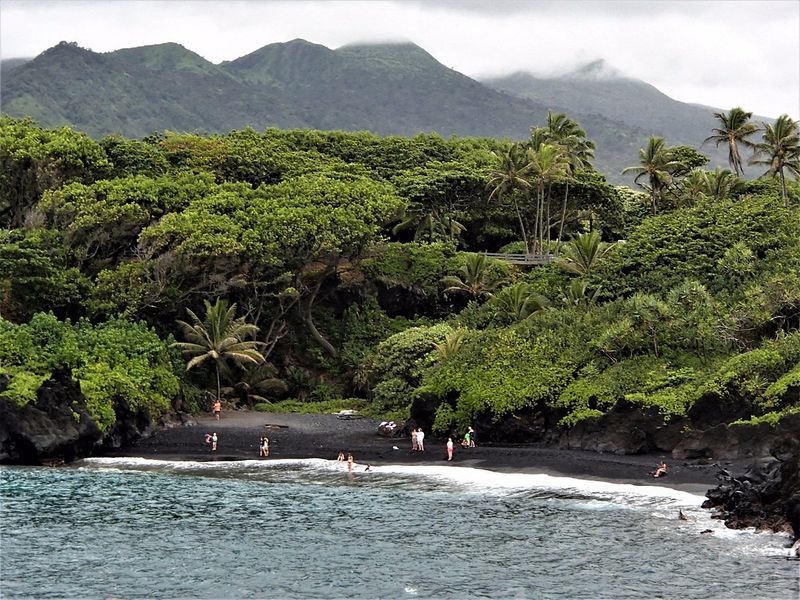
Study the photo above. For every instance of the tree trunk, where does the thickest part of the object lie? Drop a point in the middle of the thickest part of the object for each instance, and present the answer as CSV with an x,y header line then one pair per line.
x,y
219,388
784,193
522,226
563,216
309,321
317,335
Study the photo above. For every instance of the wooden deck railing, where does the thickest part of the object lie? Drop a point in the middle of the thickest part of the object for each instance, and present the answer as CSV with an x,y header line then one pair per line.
x,y
522,259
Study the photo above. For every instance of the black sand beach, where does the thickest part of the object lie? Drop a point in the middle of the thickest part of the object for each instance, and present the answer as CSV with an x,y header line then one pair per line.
x,y
323,436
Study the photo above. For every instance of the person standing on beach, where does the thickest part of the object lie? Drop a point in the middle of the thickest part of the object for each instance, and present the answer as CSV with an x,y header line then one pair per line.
x,y
217,409
420,440
263,446
414,442
450,448
471,434
214,442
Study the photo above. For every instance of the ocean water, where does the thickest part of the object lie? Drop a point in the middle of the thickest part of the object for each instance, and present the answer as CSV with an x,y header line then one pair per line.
x,y
136,528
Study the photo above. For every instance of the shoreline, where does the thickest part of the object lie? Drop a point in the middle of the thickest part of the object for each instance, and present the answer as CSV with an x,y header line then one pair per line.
x,y
302,436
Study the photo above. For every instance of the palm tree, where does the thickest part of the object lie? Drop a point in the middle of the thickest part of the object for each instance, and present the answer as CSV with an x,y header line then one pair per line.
x,y
578,294
518,301
475,278
547,164
655,163
256,382
735,128
721,184
578,151
220,338
583,252
779,150
428,223
511,175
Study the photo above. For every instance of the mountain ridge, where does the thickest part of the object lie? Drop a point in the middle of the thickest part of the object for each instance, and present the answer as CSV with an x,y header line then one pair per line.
x,y
395,88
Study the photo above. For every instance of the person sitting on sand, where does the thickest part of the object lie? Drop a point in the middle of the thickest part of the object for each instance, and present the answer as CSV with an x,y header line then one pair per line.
x,y
661,470
217,409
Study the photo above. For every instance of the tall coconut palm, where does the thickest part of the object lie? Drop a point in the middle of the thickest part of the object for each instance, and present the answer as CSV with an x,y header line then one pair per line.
x,y
779,150
578,151
735,128
655,163
547,164
219,337
509,176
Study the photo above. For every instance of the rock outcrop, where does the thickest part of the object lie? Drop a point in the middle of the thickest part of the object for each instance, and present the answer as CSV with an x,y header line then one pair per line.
x,y
57,426
768,495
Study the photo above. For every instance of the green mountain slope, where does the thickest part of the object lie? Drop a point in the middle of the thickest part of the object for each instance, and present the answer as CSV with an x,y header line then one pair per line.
x,y
597,88
386,88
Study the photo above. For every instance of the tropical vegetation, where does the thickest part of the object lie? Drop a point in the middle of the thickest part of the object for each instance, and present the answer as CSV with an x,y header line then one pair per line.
x,y
302,269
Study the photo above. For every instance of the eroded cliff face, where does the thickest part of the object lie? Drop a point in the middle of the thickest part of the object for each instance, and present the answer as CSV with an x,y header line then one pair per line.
x,y
57,426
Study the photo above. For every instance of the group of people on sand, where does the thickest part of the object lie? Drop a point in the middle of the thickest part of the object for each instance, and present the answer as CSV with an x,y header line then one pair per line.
x,y
417,439
468,441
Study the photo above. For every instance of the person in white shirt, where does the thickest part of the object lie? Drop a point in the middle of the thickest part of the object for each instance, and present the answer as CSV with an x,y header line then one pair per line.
x,y
421,440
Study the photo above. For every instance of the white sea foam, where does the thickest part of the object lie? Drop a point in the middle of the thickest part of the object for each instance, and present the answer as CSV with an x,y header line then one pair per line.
x,y
469,477
661,503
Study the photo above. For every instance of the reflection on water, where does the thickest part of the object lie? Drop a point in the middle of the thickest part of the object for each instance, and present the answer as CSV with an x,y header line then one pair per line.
x,y
299,529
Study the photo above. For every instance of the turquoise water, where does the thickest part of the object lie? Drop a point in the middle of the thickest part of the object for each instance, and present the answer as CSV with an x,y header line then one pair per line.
x,y
131,528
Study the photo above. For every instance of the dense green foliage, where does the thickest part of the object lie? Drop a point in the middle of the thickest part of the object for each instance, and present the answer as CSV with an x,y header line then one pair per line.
x,y
350,278
113,362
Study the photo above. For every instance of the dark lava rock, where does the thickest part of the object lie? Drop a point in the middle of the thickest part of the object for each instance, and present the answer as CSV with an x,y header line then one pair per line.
x,y
626,429
768,495
55,427
726,442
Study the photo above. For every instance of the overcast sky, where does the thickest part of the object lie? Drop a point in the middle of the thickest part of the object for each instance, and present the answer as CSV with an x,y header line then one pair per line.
x,y
719,53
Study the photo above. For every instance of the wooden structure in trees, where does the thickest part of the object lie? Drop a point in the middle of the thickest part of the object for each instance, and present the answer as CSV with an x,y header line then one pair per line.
x,y
522,259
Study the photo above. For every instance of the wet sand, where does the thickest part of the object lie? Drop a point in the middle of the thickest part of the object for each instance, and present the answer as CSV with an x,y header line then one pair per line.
x,y
323,436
